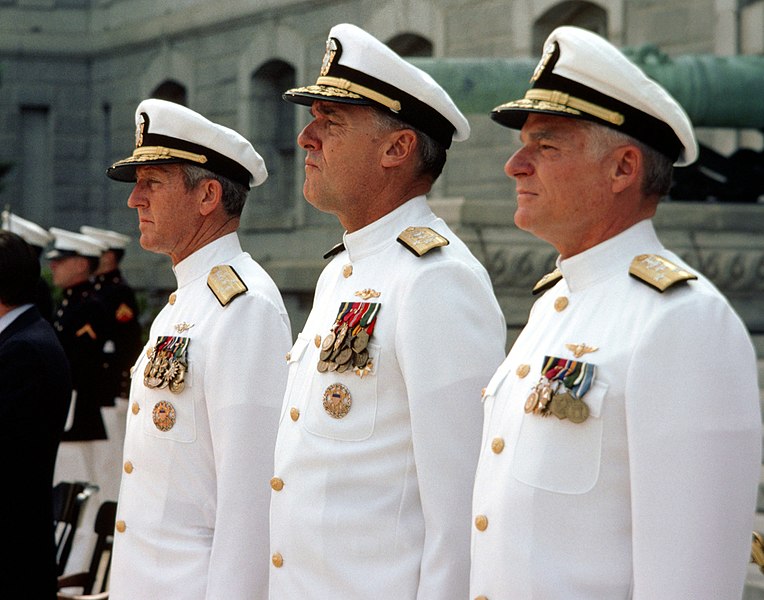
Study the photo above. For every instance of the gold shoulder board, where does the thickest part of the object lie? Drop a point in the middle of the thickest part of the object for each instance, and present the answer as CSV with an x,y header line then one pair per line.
x,y
547,281
334,250
658,272
420,240
225,283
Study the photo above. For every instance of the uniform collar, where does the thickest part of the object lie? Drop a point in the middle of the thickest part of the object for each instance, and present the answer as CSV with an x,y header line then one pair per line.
x,y
200,262
383,232
611,257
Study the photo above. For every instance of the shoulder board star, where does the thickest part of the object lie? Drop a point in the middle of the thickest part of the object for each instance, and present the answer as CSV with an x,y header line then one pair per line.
x,y
334,250
420,240
658,272
547,281
225,283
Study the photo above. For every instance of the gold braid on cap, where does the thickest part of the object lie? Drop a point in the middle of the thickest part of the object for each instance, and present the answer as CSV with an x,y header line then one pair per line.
x,y
345,84
160,151
567,100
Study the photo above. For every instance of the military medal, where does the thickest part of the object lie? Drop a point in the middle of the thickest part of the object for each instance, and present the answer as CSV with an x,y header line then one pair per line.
x,y
337,400
163,415
560,390
168,363
345,347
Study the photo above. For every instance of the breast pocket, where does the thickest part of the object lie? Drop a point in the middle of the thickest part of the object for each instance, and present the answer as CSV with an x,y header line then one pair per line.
x,y
558,455
343,406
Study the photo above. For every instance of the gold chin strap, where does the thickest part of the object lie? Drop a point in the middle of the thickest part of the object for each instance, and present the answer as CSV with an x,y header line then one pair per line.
x,y
156,152
564,99
345,84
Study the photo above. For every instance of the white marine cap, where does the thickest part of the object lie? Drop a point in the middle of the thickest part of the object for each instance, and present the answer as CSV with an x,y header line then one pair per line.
x,y
69,243
167,132
583,76
111,239
31,233
359,69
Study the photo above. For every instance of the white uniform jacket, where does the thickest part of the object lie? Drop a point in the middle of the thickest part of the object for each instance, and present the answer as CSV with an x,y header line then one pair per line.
x,y
653,496
376,504
192,518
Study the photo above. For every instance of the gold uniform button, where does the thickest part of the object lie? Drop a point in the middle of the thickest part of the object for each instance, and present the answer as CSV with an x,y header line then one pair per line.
x,y
481,597
561,304
277,484
128,467
120,526
317,341
136,408
481,522
347,271
288,356
523,370
482,393
277,560
497,445
172,298
294,412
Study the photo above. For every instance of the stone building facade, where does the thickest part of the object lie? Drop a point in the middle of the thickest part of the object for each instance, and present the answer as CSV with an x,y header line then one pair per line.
x,y
73,71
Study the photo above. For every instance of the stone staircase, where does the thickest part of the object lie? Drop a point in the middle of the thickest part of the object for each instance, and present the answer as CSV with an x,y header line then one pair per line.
x,y
754,582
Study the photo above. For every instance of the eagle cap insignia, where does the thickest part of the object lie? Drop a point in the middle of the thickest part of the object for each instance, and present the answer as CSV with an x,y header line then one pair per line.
x,y
140,129
420,240
331,52
225,283
658,272
546,57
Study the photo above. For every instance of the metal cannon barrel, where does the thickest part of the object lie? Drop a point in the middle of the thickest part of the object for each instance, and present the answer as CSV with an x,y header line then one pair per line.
x,y
716,91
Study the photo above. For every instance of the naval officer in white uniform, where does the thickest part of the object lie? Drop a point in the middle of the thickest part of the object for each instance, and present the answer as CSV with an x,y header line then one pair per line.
x,y
621,445
380,426
192,519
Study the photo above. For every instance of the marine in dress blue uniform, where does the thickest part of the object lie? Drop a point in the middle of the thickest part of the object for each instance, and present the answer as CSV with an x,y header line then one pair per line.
x,y
622,438
380,424
192,519
82,325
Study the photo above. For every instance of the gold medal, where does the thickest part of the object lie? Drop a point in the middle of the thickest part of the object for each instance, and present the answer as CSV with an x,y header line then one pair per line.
x,y
337,400
545,396
322,366
578,411
361,358
360,341
533,401
344,356
328,341
559,404
163,415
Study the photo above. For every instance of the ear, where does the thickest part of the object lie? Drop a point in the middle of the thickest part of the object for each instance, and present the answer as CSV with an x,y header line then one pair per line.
x,y
211,196
626,169
400,145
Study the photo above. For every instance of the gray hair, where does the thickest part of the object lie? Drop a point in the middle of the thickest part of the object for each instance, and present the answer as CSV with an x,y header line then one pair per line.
x,y
234,194
432,155
658,168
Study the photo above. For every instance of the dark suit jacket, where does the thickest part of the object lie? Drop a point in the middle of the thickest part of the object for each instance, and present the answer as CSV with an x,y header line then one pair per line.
x,y
35,390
